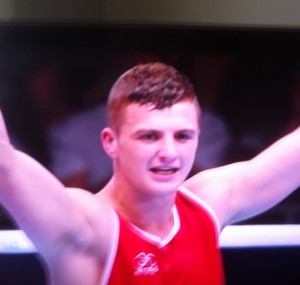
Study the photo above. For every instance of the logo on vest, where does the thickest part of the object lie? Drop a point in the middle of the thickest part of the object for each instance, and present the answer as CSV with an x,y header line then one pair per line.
x,y
145,264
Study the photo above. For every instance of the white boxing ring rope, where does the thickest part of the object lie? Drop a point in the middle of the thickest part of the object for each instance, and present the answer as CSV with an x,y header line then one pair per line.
x,y
236,236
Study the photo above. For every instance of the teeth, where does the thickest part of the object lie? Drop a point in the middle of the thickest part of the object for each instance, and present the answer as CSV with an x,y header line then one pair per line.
x,y
169,170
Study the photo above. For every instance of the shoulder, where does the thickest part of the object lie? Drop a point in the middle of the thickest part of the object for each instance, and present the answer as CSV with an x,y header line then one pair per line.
x,y
100,217
198,205
215,187
222,177
94,207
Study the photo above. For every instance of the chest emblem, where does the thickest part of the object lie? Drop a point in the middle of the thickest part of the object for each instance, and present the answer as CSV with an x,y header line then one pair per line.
x,y
145,264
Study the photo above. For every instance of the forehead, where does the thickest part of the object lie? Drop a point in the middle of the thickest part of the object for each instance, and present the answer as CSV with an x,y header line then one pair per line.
x,y
180,115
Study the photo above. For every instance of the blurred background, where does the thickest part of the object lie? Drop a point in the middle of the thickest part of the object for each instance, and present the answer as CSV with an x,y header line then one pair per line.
x,y
58,60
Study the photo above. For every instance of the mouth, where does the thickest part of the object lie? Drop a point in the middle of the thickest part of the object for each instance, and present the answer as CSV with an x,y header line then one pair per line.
x,y
164,170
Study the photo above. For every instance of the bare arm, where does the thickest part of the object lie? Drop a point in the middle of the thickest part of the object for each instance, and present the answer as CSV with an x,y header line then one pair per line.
x,y
39,203
242,190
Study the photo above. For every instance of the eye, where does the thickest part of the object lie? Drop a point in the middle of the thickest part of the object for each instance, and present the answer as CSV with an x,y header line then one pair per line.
x,y
149,136
184,136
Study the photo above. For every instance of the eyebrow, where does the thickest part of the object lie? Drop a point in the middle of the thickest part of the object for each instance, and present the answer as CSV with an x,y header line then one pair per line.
x,y
140,131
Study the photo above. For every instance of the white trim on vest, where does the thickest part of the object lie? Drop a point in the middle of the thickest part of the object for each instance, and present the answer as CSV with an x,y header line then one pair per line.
x,y
106,273
204,204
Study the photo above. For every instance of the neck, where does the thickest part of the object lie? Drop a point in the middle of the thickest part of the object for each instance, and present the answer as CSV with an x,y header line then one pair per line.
x,y
149,212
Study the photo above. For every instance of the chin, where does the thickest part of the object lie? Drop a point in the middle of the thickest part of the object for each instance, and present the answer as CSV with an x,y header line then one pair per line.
x,y
164,187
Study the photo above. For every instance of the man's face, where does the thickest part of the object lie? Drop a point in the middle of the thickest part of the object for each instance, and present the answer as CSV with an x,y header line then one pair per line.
x,y
156,148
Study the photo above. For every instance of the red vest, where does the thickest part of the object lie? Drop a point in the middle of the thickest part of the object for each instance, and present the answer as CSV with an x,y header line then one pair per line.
x,y
189,257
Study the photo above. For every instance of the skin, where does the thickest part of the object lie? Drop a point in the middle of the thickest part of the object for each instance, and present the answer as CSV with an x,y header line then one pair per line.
x,y
152,154
162,143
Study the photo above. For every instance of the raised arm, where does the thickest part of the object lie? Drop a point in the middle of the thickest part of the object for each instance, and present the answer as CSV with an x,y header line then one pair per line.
x,y
37,201
242,190
71,228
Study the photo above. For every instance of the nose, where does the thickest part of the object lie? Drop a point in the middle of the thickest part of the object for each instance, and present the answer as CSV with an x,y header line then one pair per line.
x,y
168,149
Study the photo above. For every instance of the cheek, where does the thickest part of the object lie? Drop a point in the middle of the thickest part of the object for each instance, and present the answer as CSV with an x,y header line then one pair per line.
x,y
139,157
133,163
131,153
189,152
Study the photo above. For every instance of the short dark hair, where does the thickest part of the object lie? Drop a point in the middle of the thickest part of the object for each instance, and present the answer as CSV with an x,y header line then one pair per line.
x,y
156,84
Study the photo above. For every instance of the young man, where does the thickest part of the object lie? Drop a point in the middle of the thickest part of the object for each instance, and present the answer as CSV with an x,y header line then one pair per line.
x,y
148,225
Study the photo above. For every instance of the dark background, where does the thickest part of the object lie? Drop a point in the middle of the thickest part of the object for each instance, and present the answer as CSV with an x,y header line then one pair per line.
x,y
254,96
243,266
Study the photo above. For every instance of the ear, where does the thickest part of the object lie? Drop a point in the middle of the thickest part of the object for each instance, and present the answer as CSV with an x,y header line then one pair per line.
x,y
109,141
